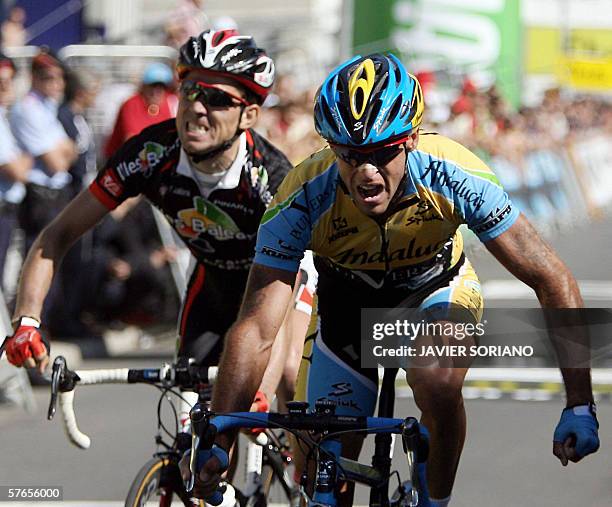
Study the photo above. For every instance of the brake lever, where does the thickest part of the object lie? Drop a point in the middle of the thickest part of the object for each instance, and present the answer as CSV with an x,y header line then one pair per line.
x,y
198,419
62,380
59,366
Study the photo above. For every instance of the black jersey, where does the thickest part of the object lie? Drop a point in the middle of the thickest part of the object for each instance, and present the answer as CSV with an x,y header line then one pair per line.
x,y
218,226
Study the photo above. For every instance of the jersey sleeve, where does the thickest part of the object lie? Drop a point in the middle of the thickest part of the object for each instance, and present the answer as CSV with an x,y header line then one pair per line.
x,y
477,196
285,229
124,174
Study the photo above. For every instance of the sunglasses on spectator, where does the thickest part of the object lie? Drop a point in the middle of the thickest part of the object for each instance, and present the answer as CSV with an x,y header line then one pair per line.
x,y
210,95
377,156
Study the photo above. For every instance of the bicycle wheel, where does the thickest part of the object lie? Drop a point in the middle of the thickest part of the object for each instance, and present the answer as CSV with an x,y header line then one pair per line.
x,y
156,484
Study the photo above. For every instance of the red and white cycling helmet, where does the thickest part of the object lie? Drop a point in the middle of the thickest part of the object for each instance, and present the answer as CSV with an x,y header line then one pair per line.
x,y
233,55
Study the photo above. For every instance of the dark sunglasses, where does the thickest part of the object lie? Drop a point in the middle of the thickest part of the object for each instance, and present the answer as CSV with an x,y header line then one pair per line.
x,y
210,95
379,156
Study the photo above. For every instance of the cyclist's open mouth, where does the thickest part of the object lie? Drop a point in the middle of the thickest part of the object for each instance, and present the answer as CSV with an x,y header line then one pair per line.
x,y
371,192
193,129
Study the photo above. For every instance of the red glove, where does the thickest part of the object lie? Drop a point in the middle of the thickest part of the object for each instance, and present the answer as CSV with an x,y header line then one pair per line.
x,y
27,342
260,404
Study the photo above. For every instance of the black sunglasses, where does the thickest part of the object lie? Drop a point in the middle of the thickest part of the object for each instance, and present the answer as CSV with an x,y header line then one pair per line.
x,y
209,95
377,156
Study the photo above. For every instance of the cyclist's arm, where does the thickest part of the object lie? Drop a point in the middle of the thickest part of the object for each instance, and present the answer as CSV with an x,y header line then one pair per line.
x,y
521,250
281,349
249,341
18,168
61,157
47,251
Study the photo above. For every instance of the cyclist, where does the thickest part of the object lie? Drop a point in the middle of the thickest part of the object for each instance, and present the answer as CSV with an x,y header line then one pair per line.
x,y
210,174
380,209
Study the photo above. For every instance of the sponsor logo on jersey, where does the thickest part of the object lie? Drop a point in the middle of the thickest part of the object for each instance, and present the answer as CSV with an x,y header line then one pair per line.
x,y
410,251
425,212
339,223
452,179
259,176
148,158
341,389
207,218
287,246
111,185
245,208
181,191
301,225
272,252
494,218
318,200
229,264
352,404
341,228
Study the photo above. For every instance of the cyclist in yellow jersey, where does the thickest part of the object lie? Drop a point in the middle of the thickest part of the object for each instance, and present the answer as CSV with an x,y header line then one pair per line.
x,y
380,209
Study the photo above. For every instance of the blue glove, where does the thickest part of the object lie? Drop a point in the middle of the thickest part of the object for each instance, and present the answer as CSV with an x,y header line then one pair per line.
x,y
203,456
580,424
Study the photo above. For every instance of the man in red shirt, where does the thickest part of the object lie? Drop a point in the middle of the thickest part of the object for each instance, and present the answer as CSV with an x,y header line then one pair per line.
x,y
154,102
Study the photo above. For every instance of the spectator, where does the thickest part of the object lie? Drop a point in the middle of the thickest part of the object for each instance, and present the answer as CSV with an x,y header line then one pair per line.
x,y
186,20
82,87
13,29
153,103
14,164
36,127
129,279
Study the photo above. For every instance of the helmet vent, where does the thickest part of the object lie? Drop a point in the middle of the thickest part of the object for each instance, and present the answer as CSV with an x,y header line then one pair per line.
x,y
391,114
359,97
370,117
329,119
396,70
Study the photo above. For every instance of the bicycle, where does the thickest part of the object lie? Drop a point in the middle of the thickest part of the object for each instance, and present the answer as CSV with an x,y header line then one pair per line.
x,y
159,479
331,467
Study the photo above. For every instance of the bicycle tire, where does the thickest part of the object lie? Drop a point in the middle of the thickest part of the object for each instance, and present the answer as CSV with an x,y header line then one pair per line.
x,y
156,484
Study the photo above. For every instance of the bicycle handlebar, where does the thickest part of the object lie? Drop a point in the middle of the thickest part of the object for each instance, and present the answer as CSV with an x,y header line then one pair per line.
x,y
205,426
64,381
305,422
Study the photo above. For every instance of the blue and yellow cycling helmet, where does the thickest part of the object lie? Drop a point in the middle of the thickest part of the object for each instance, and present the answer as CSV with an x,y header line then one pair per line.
x,y
368,100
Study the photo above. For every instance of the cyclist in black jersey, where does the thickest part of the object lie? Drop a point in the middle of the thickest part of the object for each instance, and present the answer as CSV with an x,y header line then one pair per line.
x,y
208,172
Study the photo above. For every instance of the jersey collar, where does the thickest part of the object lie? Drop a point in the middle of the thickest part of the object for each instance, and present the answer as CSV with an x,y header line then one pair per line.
x,y
231,179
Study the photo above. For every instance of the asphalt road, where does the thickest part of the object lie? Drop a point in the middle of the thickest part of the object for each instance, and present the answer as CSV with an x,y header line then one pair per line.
x,y
507,459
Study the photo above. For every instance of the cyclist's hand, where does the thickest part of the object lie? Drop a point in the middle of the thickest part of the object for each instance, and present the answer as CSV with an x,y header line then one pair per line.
x,y
576,434
260,404
210,475
28,347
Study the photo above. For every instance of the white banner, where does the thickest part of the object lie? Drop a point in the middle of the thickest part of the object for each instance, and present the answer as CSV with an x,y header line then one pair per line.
x,y
592,161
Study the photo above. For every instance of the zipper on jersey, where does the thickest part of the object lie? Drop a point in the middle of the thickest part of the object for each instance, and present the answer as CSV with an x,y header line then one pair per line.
x,y
384,246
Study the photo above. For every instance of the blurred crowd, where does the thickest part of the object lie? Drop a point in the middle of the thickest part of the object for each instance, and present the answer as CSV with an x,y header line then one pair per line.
x,y
482,120
120,273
